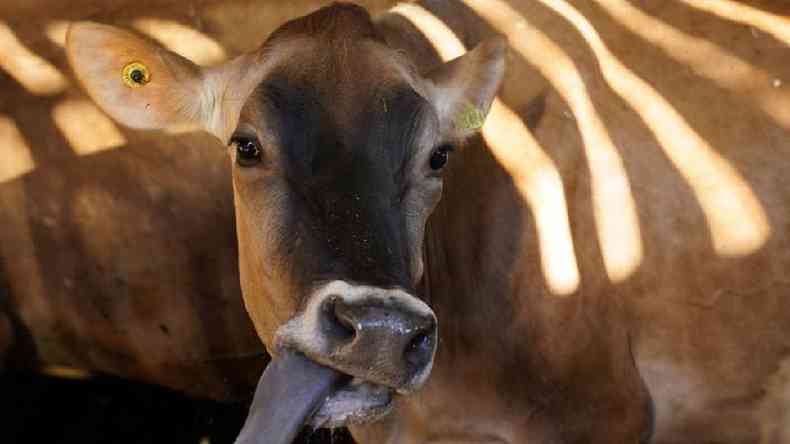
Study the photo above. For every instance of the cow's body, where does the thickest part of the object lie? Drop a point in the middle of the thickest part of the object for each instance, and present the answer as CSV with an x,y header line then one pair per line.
x,y
696,317
81,299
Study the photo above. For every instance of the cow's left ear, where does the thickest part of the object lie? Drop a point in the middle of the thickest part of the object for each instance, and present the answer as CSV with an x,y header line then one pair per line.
x,y
464,88
143,85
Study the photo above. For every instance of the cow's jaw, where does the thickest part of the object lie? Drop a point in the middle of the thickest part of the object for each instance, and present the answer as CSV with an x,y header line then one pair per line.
x,y
357,402
295,391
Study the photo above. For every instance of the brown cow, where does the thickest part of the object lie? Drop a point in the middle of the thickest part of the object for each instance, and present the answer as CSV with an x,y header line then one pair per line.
x,y
338,166
662,283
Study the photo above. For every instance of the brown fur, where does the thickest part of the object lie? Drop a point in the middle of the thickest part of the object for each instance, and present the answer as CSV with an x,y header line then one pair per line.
x,y
706,333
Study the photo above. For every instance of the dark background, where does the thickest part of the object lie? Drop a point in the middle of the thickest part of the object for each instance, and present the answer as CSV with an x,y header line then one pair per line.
x,y
108,410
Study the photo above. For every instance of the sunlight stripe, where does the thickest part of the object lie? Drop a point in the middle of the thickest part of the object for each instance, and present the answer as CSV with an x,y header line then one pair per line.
x,y
737,222
16,158
773,24
35,74
183,40
705,58
614,208
87,128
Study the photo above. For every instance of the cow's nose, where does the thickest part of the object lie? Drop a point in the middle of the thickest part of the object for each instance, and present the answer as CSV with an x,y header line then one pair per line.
x,y
382,336
397,339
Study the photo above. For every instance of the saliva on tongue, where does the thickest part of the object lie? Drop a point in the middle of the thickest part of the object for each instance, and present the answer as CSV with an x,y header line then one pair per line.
x,y
290,391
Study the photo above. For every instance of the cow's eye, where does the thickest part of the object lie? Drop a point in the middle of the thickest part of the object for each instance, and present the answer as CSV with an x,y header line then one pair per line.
x,y
440,155
248,151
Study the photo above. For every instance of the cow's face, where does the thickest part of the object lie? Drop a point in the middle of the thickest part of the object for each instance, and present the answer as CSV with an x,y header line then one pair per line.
x,y
337,163
338,148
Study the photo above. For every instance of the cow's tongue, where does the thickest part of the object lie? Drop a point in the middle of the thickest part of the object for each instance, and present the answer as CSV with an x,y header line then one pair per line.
x,y
290,390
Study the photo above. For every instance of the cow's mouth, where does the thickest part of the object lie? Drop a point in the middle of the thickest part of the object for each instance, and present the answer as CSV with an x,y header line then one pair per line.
x,y
354,402
295,391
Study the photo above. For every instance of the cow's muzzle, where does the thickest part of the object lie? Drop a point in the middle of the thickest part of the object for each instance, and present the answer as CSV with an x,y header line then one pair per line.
x,y
385,337
341,361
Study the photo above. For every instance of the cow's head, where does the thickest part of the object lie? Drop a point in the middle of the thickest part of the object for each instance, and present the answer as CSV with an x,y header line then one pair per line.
x,y
338,146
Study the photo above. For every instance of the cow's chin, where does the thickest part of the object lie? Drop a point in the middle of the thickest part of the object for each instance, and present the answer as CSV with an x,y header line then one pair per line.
x,y
295,390
354,403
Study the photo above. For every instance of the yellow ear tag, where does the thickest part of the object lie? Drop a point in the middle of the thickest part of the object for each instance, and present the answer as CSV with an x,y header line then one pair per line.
x,y
470,118
135,75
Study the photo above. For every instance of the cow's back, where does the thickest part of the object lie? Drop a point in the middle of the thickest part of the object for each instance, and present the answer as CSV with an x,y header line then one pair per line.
x,y
125,262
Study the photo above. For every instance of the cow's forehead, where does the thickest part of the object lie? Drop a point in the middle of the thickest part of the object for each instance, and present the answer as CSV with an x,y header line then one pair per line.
x,y
325,123
338,22
338,51
346,81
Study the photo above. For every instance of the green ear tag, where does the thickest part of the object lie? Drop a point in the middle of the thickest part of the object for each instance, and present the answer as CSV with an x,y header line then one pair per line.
x,y
470,118
135,75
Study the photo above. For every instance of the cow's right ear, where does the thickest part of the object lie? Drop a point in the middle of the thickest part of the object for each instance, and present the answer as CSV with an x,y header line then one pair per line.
x,y
138,82
465,87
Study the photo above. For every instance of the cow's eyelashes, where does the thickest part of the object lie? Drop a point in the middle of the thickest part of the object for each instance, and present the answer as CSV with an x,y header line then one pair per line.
x,y
440,155
248,151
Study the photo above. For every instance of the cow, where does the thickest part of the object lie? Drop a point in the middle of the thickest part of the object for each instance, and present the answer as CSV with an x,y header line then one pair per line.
x,y
595,272
337,167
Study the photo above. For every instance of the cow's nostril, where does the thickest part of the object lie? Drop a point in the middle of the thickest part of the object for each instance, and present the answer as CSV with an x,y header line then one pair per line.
x,y
419,350
339,324
368,336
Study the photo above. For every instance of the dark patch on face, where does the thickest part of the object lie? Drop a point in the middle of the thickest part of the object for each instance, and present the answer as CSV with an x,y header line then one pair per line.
x,y
346,156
